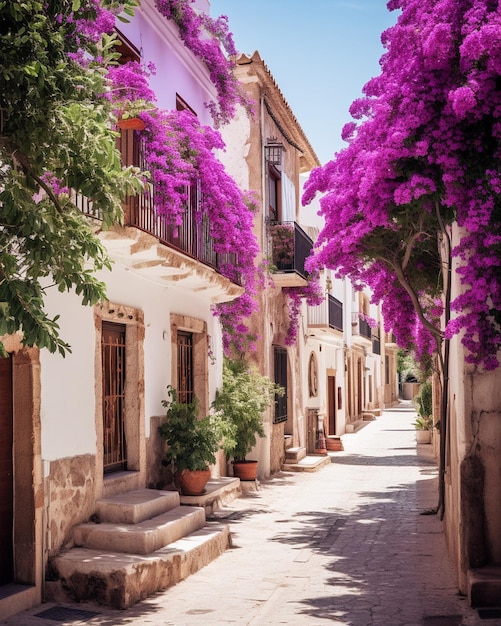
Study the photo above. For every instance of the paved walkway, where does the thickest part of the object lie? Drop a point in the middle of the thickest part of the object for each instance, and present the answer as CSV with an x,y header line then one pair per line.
x,y
345,545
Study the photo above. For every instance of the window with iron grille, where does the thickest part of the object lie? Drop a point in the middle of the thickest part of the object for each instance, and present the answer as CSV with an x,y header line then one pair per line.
x,y
185,390
280,366
113,373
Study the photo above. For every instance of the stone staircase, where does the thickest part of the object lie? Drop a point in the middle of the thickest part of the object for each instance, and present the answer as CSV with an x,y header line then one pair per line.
x,y
297,460
484,587
140,542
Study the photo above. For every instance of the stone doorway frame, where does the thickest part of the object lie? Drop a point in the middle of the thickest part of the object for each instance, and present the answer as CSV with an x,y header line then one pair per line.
x,y
29,544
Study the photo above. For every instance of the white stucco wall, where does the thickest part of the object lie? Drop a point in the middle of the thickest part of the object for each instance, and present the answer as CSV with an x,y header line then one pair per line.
x,y
68,398
177,69
68,393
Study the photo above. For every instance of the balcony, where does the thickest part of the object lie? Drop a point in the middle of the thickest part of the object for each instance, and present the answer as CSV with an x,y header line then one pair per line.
x,y
182,254
290,246
360,330
191,237
328,315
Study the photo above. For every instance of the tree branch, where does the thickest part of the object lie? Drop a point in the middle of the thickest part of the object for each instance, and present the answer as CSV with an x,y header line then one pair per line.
x,y
20,160
399,272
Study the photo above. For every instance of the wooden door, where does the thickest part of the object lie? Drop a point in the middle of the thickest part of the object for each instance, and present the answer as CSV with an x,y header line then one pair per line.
x,y
6,473
331,403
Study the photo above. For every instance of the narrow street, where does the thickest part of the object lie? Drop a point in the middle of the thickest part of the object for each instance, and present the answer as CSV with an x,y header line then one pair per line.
x,y
345,545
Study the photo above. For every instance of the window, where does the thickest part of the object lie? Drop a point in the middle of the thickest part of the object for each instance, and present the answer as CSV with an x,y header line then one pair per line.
x,y
274,213
182,105
387,369
273,157
127,50
280,364
190,363
313,376
185,390
128,143
113,373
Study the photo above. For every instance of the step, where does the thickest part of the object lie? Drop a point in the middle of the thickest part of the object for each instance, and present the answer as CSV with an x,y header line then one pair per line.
x,y
136,506
294,455
144,537
120,580
484,586
310,463
218,493
334,443
353,427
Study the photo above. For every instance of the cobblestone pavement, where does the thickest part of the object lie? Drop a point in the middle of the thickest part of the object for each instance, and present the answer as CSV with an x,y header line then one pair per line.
x,y
344,545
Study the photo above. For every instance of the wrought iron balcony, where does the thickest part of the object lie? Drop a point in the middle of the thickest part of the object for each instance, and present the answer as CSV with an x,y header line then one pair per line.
x,y
360,326
365,329
192,237
328,314
290,246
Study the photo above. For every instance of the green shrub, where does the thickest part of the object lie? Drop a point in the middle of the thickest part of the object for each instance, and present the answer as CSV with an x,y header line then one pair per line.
x,y
423,401
192,442
241,402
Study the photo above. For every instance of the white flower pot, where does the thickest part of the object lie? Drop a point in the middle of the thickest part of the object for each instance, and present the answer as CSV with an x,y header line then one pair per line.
x,y
423,436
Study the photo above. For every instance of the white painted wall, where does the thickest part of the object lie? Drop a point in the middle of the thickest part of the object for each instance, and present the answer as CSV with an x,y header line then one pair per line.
x,y
68,397
177,69
68,394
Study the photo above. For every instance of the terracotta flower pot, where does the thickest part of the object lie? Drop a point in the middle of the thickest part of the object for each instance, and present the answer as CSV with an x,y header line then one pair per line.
x,y
131,123
334,443
245,470
192,482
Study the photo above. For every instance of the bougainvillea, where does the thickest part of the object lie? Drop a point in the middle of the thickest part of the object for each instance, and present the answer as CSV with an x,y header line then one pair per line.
x,y
314,296
209,39
179,152
61,95
55,135
424,154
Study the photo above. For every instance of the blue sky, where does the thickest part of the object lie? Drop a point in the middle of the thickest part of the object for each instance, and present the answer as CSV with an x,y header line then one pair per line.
x,y
320,52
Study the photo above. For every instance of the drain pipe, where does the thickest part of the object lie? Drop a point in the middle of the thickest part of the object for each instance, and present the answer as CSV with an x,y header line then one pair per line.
x,y
444,405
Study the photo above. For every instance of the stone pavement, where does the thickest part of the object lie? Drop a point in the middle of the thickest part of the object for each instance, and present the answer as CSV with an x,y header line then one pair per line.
x,y
345,545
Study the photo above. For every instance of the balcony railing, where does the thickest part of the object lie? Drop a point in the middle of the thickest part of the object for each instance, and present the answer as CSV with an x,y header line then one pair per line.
x,y
290,247
192,236
335,313
365,329
360,326
328,313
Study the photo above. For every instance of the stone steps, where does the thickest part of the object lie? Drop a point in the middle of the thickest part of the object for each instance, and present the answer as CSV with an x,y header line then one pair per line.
x,y
136,506
310,463
484,586
141,542
143,537
334,443
218,493
120,580
295,455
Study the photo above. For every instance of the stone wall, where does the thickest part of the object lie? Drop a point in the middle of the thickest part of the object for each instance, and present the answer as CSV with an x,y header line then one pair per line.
x,y
70,498
158,476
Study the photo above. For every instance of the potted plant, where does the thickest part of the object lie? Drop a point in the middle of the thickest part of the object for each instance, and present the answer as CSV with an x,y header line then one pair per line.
x,y
423,402
282,236
192,442
129,115
241,402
